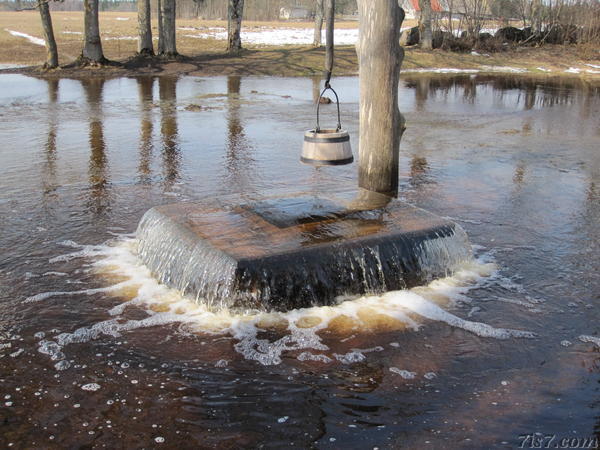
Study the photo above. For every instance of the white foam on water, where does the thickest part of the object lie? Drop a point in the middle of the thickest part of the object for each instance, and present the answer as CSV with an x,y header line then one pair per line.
x,y
86,251
591,339
90,387
32,39
407,375
308,356
46,295
529,305
297,331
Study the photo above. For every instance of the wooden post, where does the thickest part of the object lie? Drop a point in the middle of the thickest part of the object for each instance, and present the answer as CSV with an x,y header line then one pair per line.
x,y
381,124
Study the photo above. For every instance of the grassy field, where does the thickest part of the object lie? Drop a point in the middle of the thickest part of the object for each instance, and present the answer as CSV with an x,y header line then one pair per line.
x,y
208,57
68,27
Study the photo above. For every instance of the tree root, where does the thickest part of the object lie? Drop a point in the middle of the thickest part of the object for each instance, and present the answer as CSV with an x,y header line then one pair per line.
x,y
84,61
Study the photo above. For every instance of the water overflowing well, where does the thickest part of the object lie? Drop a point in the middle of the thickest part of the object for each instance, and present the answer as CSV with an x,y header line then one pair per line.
x,y
96,352
296,251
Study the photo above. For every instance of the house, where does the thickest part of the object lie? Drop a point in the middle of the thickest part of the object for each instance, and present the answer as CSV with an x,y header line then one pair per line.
x,y
413,10
294,13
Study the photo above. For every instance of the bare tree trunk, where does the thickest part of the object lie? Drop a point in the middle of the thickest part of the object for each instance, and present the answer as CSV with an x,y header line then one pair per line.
x,y
51,49
318,23
92,47
161,33
381,124
426,33
145,46
168,47
235,11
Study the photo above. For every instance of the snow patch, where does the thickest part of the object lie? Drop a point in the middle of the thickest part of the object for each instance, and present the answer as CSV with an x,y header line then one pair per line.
x,y
11,66
505,69
121,38
440,70
32,39
275,36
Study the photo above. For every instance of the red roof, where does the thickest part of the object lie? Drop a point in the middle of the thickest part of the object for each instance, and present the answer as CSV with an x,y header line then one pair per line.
x,y
435,5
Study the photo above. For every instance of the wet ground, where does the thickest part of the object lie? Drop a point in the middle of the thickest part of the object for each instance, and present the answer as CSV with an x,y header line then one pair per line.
x,y
95,353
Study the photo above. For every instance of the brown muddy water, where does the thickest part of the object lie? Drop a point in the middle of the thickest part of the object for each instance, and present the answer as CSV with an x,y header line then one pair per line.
x,y
95,353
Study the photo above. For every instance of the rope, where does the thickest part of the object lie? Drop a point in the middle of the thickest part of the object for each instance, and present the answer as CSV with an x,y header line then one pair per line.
x,y
329,56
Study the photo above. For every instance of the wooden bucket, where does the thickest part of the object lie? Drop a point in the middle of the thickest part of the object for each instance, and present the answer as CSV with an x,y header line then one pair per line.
x,y
326,147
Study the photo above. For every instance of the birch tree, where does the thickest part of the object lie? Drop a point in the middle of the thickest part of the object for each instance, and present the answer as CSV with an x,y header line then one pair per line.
x,y
235,12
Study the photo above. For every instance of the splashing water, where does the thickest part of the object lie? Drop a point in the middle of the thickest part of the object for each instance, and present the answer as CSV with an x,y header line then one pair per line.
x,y
297,331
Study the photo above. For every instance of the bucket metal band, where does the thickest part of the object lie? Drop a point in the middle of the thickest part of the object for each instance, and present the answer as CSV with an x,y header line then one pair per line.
x,y
329,140
327,162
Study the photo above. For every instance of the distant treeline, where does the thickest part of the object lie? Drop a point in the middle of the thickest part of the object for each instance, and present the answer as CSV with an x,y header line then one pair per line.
x,y
187,9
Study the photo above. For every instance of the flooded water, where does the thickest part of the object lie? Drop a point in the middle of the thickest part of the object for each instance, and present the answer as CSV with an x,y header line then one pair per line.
x,y
95,352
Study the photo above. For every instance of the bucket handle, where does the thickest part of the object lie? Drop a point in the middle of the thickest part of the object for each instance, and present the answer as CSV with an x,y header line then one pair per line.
x,y
337,100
